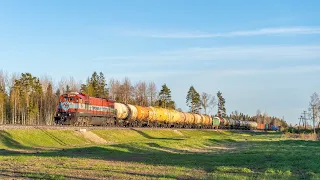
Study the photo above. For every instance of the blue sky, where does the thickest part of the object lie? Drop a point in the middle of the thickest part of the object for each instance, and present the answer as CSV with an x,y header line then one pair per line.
x,y
261,54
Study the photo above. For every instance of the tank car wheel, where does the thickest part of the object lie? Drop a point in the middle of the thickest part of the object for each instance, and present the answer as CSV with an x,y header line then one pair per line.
x,y
113,122
134,124
139,124
152,124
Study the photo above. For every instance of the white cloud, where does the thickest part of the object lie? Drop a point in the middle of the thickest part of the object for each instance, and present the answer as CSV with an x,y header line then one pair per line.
x,y
235,53
219,73
279,70
255,32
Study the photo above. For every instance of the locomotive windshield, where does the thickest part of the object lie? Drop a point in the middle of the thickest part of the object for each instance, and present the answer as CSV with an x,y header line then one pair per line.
x,y
66,98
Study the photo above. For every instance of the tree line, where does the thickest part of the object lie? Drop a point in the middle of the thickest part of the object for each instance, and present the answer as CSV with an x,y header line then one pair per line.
x,y
29,100
310,118
26,99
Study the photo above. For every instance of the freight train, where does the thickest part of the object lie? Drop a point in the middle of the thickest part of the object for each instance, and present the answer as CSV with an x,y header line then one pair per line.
x,y
79,109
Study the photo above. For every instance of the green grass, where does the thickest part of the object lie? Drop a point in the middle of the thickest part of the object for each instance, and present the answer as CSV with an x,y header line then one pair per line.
x,y
158,154
28,139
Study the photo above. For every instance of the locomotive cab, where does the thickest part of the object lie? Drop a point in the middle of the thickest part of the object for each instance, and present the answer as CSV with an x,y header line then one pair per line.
x,y
68,105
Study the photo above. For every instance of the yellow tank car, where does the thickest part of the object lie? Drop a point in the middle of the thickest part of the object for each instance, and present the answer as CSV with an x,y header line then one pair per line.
x,y
207,120
152,114
182,118
189,118
175,117
170,115
202,119
166,115
197,119
142,113
162,114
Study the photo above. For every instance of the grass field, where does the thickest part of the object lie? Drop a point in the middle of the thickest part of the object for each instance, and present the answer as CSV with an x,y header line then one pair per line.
x,y
156,154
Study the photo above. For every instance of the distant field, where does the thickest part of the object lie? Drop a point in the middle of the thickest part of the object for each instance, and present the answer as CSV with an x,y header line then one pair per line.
x,y
155,154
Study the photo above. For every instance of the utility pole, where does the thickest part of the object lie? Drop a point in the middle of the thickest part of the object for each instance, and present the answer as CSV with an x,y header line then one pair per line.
x,y
305,119
300,122
314,116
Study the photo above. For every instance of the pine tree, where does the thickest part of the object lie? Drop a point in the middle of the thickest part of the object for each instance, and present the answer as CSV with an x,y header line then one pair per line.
x,y
29,92
58,93
193,100
102,90
94,83
221,103
68,89
95,86
165,98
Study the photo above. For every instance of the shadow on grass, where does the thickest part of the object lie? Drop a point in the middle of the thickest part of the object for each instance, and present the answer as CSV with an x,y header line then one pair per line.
x,y
7,140
150,137
36,175
53,137
297,157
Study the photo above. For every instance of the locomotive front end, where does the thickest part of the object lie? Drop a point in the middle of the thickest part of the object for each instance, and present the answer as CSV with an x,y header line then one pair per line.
x,y
62,114
65,111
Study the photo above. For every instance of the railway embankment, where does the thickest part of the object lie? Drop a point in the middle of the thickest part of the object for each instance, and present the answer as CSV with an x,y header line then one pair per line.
x,y
115,153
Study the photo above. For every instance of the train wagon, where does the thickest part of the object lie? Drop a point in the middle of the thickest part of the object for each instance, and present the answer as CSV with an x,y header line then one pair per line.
x,y
216,122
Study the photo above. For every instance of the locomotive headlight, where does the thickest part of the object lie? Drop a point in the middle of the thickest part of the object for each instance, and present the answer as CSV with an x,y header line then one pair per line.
x,y
69,114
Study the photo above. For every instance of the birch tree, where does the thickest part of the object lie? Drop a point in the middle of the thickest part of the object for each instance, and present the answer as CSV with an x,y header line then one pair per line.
x,y
140,93
152,93
207,101
314,109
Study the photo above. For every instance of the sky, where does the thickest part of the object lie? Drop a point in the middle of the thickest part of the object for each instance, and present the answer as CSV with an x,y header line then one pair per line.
x,y
260,54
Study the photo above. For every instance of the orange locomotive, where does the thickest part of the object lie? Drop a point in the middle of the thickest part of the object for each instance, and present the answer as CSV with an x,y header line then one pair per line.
x,y
80,110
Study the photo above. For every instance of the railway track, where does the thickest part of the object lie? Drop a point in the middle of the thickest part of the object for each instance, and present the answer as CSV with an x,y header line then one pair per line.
x,y
65,127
